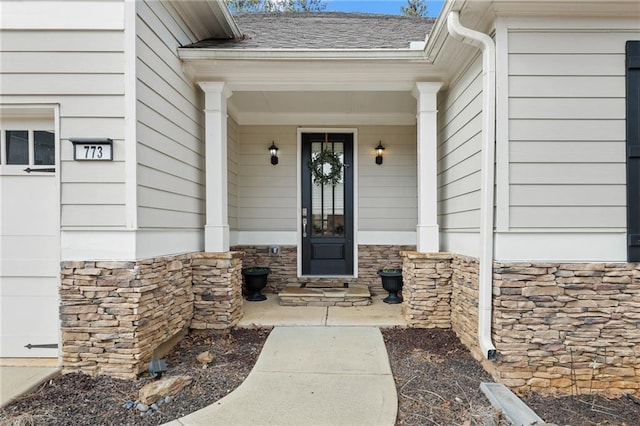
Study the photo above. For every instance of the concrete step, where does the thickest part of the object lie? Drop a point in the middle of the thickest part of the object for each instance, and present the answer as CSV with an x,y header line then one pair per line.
x,y
325,294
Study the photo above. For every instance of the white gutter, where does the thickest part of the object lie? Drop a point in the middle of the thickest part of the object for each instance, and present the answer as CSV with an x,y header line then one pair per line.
x,y
485,286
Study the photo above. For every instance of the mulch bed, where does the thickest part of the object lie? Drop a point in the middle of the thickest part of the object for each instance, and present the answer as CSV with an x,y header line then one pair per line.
x,y
436,377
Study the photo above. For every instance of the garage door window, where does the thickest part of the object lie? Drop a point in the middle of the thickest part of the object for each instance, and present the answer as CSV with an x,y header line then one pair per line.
x,y
27,147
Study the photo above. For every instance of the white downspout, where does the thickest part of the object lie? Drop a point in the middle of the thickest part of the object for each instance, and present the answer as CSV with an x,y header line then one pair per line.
x,y
485,286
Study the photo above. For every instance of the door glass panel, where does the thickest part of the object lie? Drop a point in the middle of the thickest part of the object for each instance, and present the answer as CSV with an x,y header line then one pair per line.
x,y
328,200
17,147
44,148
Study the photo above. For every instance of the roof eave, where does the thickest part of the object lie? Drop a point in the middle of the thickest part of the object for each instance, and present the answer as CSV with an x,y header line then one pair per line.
x,y
207,18
302,54
439,31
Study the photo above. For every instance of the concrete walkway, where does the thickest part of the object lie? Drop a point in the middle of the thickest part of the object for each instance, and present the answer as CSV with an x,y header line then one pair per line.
x,y
311,376
270,313
24,375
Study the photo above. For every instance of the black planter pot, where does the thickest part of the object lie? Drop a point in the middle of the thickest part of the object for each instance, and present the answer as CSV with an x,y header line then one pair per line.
x,y
392,283
255,279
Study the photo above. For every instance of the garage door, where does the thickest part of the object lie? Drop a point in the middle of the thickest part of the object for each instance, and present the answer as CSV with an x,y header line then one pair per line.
x,y
29,240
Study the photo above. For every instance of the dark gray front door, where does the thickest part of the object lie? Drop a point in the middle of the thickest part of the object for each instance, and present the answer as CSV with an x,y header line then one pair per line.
x,y
327,209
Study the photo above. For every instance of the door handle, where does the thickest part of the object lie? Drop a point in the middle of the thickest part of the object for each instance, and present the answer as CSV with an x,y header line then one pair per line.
x,y
304,227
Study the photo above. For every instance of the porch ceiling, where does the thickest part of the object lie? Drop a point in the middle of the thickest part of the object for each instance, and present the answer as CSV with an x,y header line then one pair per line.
x,y
323,107
317,92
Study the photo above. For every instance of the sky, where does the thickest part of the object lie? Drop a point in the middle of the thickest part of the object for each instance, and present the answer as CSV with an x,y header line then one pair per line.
x,y
391,7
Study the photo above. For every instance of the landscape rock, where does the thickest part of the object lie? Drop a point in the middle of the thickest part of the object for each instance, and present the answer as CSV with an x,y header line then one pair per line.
x,y
153,391
206,357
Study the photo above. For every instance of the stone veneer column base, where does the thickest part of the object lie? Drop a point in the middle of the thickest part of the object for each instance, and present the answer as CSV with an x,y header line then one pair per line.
x,y
426,289
217,287
115,315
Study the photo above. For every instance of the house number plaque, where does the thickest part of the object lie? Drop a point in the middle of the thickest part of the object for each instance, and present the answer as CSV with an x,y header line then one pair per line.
x,y
92,149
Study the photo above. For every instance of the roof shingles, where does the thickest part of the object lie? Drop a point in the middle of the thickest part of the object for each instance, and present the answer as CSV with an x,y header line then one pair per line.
x,y
323,30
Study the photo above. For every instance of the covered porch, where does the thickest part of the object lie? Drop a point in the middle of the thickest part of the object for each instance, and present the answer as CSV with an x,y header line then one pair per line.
x,y
376,210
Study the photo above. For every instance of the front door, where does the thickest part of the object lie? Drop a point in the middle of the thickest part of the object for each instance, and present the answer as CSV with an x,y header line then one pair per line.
x,y
327,203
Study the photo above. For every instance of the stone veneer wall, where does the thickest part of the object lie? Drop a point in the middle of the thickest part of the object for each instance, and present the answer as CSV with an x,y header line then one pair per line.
x,y
284,265
558,328
568,328
115,316
217,289
371,258
426,289
464,306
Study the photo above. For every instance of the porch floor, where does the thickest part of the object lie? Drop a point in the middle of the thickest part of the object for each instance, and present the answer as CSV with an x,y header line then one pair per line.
x,y
270,313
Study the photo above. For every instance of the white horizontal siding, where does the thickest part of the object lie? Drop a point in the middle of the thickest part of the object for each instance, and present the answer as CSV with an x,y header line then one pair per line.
x,y
568,195
170,125
85,216
586,64
89,41
566,174
62,15
63,62
459,146
43,84
567,129
83,193
581,87
266,194
233,135
567,152
570,108
387,192
56,61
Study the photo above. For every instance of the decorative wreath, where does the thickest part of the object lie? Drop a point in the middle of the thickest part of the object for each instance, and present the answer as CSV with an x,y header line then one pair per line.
x,y
316,166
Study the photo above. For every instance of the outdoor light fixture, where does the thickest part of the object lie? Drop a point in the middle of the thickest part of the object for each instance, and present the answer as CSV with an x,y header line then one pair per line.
x,y
273,150
157,367
379,150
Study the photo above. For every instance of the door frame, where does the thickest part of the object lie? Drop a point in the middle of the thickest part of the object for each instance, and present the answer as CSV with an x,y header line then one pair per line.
x,y
354,132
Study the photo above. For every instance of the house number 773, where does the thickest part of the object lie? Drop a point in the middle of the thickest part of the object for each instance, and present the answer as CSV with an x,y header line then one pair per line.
x,y
92,151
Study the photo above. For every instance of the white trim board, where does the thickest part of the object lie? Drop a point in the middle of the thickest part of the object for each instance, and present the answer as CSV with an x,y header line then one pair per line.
x,y
319,119
62,15
129,245
561,247
502,126
97,245
396,238
162,242
289,238
262,238
464,243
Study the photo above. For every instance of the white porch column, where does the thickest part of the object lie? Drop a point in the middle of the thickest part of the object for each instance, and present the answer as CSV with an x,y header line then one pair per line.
x,y
428,234
216,229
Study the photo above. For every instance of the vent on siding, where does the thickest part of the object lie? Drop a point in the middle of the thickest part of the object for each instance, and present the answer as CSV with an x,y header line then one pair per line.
x,y
633,151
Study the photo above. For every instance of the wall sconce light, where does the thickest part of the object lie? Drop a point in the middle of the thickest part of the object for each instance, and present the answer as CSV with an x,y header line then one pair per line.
x,y
379,150
273,150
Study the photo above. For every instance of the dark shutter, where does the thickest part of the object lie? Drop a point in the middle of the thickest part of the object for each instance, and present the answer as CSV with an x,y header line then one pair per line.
x,y
633,151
